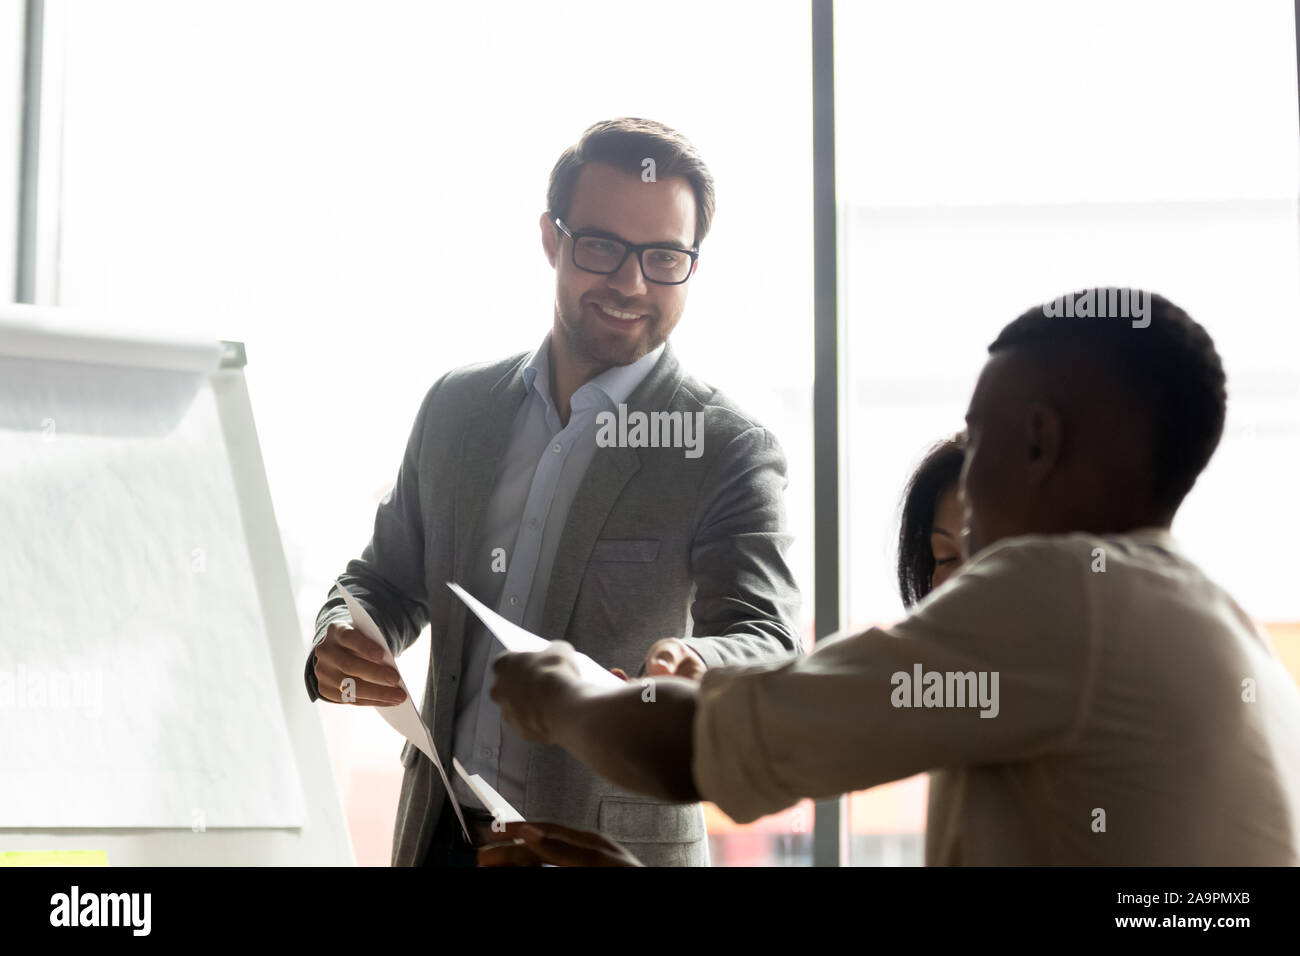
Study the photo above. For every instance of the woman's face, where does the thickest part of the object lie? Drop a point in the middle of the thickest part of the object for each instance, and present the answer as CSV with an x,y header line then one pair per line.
x,y
945,538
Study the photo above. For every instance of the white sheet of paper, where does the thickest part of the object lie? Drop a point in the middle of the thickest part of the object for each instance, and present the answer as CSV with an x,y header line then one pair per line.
x,y
491,800
404,717
515,638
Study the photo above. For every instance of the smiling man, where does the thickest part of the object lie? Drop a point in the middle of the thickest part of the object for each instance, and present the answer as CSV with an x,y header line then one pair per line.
x,y
1135,714
665,558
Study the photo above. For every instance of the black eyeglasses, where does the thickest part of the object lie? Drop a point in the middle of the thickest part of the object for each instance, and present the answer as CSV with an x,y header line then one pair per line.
x,y
664,265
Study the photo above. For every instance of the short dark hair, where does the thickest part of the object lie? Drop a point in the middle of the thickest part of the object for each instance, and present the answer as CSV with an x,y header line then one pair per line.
x,y
1168,366
625,144
938,471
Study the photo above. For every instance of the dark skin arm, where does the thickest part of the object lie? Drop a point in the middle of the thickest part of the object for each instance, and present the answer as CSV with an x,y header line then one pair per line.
x,y
638,736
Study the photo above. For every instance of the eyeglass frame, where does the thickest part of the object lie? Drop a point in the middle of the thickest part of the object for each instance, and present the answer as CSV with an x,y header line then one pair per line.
x,y
640,250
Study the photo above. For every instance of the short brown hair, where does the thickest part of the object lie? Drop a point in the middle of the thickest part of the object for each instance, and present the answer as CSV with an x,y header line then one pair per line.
x,y
625,144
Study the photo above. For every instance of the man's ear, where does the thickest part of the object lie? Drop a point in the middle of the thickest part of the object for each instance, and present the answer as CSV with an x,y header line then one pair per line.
x,y
1043,438
550,239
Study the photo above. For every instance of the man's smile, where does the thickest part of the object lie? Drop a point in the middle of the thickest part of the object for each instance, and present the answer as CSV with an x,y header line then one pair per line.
x,y
617,316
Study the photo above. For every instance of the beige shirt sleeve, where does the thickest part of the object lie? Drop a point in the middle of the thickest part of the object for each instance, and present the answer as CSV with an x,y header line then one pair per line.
x,y
832,722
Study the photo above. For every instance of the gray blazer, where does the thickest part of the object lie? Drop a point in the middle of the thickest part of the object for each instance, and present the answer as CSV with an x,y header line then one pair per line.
x,y
656,545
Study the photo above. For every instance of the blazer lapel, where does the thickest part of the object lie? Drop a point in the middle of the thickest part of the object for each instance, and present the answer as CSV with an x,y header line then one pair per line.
x,y
609,471
483,445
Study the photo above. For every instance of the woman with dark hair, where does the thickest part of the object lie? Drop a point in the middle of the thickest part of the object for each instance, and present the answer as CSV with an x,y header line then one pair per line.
x,y
930,525
929,553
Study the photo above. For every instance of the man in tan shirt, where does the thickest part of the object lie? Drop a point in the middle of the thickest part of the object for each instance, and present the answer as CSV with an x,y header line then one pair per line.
x,y
1090,695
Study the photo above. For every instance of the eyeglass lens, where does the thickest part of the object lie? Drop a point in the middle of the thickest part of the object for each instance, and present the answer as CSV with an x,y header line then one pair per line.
x,y
606,255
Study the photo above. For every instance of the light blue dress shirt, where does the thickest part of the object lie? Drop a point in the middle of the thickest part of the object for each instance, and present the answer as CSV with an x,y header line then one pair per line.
x,y
543,466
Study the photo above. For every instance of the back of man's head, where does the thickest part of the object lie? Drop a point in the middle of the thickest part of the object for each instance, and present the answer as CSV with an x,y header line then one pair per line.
x,y
1140,351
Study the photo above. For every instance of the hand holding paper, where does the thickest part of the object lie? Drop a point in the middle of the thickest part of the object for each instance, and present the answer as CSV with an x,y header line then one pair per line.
x,y
556,696
538,691
403,717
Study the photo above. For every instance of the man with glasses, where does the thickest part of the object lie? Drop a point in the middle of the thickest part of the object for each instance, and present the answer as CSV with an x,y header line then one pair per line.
x,y
616,548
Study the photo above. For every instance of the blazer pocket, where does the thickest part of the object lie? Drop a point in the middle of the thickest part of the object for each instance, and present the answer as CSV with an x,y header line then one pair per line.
x,y
627,549
631,821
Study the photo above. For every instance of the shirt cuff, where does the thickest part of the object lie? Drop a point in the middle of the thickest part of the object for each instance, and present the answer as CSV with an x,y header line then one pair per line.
x,y
334,617
309,677
705,649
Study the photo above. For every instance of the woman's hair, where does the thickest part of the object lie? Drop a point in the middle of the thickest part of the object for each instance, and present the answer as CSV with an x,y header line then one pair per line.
x,y
937,473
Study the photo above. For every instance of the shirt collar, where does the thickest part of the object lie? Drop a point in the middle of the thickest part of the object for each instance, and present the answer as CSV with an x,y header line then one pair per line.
x,y
539,364
622,380
1159,537
615,383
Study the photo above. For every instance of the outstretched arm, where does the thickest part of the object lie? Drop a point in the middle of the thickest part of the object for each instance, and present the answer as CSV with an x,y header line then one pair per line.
x,y
637,736
992,669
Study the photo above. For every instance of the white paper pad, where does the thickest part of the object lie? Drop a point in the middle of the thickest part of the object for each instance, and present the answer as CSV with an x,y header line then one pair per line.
x,y
514,638
491,800
404,717
63,335
138,687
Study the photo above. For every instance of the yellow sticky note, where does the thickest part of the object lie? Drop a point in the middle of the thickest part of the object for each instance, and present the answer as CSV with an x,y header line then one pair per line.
x,y
54,858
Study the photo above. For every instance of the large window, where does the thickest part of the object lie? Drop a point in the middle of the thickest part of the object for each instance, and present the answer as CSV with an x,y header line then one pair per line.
x,y
353,188
993,156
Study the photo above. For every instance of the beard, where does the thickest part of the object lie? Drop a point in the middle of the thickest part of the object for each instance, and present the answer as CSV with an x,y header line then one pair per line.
x,y
592,340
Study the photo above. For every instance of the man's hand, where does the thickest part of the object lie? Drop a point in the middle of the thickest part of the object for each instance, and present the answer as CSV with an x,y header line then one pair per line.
x,y
673,657
534,689
556,844
344,652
